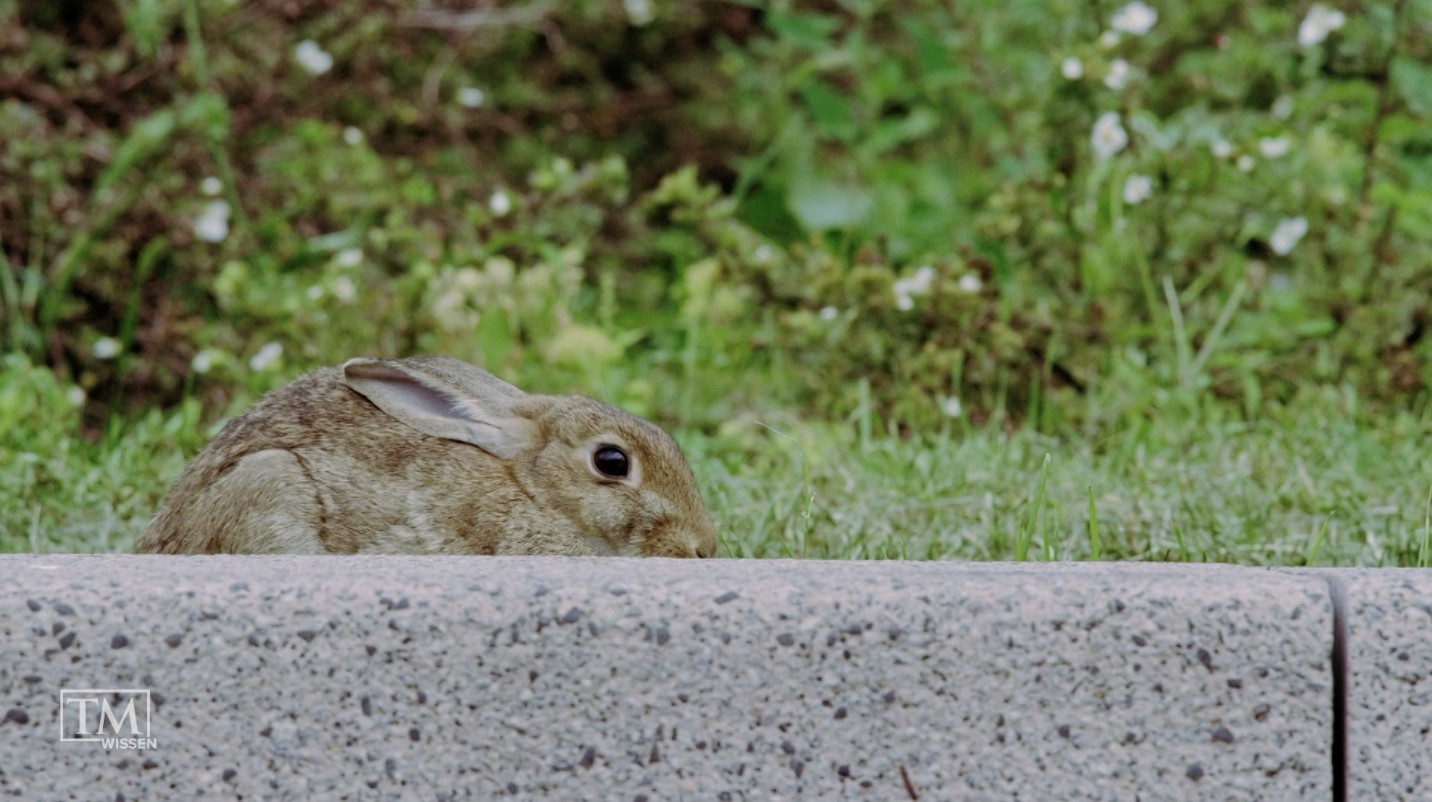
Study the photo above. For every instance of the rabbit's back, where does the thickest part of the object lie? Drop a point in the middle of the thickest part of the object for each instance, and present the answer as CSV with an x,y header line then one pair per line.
x,y
314,467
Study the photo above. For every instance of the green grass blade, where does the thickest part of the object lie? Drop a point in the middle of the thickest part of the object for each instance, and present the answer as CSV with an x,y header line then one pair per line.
x,y
1318,543
1096,546
1424,550
1225,316
1031,520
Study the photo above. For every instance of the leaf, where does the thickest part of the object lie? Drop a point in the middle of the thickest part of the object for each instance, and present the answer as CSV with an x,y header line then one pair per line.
x,y
1317,327
336,241
919,123
147,137
145,21
829,110
766,209
419,191
824,206
939,68
1413,80
208,114
495,337
1414,207
811,31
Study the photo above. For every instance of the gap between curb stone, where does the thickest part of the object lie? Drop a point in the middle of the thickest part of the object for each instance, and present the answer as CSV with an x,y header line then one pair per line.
x,y
1337,593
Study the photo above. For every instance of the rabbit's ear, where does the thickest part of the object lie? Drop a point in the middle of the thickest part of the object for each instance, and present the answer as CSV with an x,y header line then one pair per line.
x,y
429,401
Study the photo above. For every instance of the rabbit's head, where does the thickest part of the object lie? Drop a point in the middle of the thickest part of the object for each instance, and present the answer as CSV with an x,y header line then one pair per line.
x,y
587,471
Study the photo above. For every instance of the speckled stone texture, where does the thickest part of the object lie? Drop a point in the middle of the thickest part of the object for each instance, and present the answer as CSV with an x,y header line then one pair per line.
x,y
1389,685
608,679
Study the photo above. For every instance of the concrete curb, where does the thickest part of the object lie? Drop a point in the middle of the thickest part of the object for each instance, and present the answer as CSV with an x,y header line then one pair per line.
x,y
552,678
1388,616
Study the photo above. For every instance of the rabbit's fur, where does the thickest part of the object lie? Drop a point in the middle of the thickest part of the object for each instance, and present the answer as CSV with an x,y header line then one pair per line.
x,y
431,455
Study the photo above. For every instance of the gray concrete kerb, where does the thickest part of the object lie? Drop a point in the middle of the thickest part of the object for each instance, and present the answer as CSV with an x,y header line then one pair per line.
x,y
1386,656
550,678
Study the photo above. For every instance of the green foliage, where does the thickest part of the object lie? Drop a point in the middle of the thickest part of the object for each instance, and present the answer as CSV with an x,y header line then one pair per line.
x,y
952,139
63,491
906,219
324,208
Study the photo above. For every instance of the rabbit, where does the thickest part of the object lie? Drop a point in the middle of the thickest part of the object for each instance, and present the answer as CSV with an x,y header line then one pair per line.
x,y
432,455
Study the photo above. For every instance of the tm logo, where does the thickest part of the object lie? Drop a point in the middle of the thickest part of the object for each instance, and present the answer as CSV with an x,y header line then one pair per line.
x,y
115,718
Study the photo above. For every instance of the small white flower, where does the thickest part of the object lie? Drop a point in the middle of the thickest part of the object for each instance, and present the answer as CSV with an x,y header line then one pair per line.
x,y
639,12
923,280
1287,233
1108,39
471,97
348,257
203,362
1221,148
918,283
312,58
266,357
1320,22
1137,189
1135,18
1274,147
107,348
828,313
500,203
1109,135
1245,163
211,186
76,396
952,407
344,289
970,283
763,255
1282,107
212,224
1072,68
352,136
1118,75
315,292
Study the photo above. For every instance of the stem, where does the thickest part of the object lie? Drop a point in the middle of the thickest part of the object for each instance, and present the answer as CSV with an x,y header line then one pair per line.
x,y
199,58
1224,318
10,298
1385,103
1180,337
70,261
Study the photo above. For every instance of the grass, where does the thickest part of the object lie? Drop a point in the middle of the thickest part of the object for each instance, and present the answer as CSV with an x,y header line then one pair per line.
x,y
1313,484
1104,340
1340,493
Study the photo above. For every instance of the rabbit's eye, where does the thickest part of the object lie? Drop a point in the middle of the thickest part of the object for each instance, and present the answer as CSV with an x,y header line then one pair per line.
x,y
611,461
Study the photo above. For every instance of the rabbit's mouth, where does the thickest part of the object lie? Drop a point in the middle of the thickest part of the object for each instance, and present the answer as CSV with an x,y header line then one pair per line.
x,y
602,547
674,540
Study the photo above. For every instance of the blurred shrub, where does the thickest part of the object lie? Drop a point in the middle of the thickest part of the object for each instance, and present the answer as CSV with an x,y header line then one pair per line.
x,y
1013,201
915,209
203,188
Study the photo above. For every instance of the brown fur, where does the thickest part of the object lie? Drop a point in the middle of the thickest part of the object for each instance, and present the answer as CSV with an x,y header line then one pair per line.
x,y
319,466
